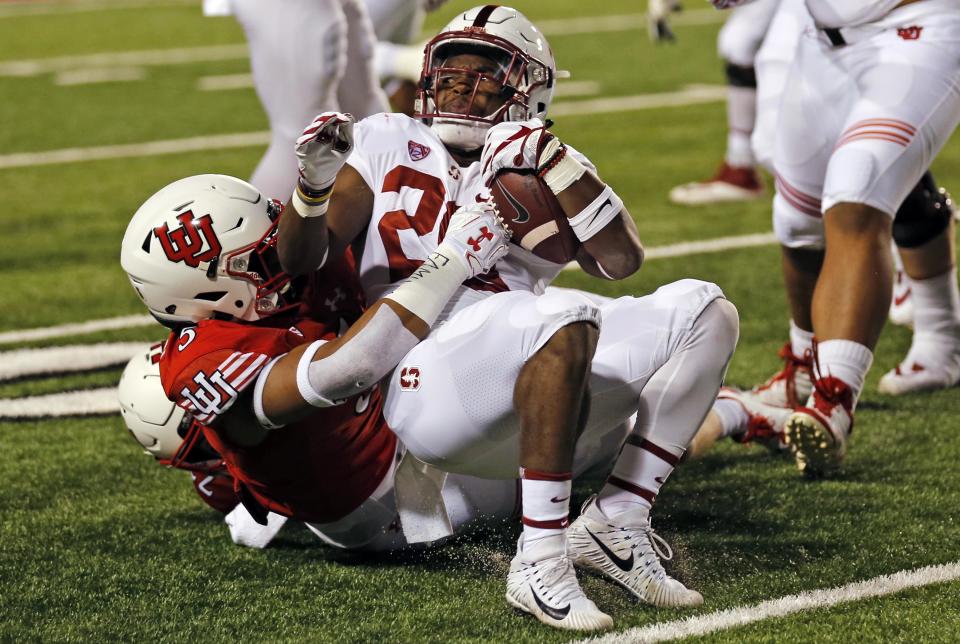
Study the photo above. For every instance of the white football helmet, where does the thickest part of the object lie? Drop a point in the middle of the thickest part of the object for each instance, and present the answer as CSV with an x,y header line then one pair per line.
x,y
164,430
205,247
526,72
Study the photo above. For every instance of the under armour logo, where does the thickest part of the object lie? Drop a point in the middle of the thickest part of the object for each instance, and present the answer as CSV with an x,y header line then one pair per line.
x,y
410,378
909,33
331,302
186,244
484,234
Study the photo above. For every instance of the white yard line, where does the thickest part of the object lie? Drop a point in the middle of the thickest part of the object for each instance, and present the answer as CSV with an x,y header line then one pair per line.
x,y
688,96
810,600
70,403
186,55
134,150
225,82
34,8
76,328
68,359
91,75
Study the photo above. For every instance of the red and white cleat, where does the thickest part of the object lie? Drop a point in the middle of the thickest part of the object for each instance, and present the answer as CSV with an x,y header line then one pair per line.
x,y
766,423
728,184
910,376
817,434
791,386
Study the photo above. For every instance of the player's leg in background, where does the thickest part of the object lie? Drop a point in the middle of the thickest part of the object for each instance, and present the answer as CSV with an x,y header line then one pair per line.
x,y
298,56
738,43
397,59
809,117
908,105
359,90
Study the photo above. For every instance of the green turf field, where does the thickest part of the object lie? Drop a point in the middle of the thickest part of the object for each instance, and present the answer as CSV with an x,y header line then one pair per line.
x,y
98,543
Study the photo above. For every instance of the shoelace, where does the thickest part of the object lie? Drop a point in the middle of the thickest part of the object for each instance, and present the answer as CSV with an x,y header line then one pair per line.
x,y
658,544
552,572
792,364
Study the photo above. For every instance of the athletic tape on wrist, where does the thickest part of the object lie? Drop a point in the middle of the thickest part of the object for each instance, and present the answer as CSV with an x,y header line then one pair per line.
x,y
311,203
265,422
561,169
426,292
303,377
600,212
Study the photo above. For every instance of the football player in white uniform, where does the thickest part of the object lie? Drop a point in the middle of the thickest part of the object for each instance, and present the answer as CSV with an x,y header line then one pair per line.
x,y
501,382
871,97
307,56
737,43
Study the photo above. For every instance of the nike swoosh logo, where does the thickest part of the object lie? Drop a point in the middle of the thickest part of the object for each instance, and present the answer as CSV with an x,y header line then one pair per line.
x,y
901,299
556,613
523,216
556,500
626,565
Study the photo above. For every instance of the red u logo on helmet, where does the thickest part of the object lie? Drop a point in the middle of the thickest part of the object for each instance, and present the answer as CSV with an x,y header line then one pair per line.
x,y
192,242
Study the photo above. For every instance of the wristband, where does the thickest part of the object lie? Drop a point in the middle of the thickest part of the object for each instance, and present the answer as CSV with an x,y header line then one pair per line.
x,y
426,292
600,212
311,203
560,169
265,422
306,390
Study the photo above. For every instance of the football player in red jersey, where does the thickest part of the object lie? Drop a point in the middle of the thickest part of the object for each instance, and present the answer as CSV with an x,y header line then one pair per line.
x,y
518,377
294,410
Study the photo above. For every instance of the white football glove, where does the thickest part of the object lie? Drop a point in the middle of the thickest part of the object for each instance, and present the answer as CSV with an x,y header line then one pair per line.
x,y
477,236
323,148
514,145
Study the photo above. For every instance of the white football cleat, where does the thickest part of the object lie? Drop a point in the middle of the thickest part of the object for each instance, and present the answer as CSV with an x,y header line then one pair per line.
x,y
766,423
791,386
727,185
817,434
910,376
626,549
543,582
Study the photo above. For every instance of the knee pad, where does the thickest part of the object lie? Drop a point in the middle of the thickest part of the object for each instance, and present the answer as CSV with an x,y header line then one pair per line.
x,y
740,76
739,41
924,214
795,228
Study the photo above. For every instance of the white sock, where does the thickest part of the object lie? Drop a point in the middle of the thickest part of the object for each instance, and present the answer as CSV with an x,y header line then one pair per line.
x,y
546,506
845,360
801,341
640,471
733,417
741,117
936,318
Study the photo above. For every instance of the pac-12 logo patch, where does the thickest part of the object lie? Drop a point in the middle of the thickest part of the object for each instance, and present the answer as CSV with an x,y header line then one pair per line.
x,y
194,241
417,151
410,378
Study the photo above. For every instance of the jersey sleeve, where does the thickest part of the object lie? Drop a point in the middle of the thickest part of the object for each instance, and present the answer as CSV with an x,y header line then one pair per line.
x,y
376,141
208,367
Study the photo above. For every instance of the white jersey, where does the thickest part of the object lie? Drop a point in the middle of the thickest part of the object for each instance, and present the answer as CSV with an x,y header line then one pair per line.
x,y
417,185
848,13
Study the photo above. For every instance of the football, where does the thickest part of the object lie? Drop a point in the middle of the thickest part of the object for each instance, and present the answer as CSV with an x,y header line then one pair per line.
x,y
532,212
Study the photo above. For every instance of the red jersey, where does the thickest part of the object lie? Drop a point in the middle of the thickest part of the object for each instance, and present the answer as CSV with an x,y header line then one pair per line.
x,y
318,469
